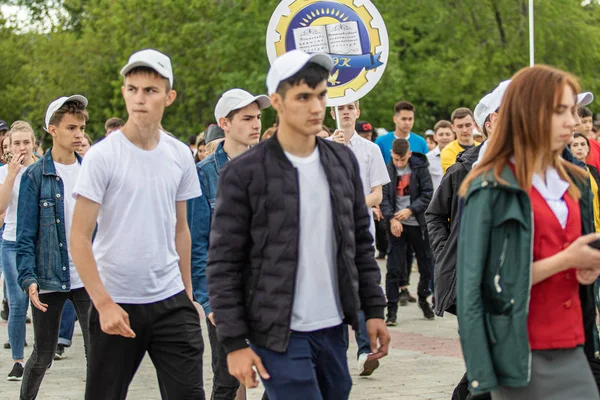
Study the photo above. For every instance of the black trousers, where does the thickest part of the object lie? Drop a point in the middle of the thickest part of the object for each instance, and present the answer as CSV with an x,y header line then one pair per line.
x,y
381,238
224,386
169,330
46,326
398,268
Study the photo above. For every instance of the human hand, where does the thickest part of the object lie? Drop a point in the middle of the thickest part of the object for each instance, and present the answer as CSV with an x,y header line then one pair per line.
x,y
580,255
587,276
377,213
396,227
211,318
338,136
16,165
379,337
403,215
35,299
240,363
115,321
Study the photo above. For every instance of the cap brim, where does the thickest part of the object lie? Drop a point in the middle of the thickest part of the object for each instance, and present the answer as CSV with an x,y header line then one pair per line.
x,y
136,64
262,100
322,59
77,97
585,98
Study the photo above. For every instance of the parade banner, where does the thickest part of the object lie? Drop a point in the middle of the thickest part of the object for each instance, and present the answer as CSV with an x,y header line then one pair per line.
x,y
351,31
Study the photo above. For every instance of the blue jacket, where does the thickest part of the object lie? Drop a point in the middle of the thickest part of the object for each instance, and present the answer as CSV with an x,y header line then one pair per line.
x,y
42,243
200,213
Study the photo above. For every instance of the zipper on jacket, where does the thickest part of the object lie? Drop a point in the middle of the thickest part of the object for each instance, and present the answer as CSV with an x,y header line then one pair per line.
x,y
289,331
500,264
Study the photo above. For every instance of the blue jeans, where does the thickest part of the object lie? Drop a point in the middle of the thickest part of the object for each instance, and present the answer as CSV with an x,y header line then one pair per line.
x,y
67,324
314,366
17,301
362,339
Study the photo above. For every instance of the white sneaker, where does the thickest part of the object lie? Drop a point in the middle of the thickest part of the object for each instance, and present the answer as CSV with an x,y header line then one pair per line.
x,y
366,366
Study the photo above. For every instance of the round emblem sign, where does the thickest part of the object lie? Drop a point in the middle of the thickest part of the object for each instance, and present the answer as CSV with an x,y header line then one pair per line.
x,y
351,31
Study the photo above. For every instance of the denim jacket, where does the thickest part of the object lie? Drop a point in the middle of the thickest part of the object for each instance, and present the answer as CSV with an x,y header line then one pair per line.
x,y
200,213
42,243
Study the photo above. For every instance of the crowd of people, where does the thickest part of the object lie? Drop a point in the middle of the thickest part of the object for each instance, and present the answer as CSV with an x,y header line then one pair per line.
x,y
273,236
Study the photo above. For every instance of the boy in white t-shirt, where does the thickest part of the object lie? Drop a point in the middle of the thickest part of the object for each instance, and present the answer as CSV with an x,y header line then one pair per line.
x,y
373,174
46,270
135,183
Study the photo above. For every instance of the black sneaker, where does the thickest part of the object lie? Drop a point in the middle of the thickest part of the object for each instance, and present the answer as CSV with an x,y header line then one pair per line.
x,y
4,312
27,320
426,308
60,352
16,374
404,297
390,319
411,299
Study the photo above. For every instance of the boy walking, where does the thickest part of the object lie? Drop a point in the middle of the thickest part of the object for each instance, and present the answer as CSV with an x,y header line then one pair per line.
x,y
136,183
291,257
405,200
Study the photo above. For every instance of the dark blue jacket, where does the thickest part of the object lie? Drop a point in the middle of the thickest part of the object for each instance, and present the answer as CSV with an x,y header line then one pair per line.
x,y
200,213
42,243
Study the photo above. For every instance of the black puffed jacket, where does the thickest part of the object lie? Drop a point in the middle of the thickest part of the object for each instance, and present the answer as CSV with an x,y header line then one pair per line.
x,y
253,253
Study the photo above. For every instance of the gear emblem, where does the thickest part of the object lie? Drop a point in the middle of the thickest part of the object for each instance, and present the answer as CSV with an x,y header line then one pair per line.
x,y
351,31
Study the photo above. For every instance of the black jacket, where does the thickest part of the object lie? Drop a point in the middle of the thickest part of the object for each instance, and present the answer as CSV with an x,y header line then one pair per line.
x,y
421,189
442,225
253,253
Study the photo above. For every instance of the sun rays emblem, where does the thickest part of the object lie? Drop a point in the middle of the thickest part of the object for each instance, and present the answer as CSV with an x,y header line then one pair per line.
x,y
354,36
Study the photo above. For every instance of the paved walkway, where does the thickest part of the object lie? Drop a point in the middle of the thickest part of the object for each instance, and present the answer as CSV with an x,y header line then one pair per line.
x,y
424,363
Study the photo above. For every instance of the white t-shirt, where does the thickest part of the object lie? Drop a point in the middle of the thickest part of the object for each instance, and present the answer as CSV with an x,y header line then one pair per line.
x,y
435,167
316,298
137,189
373,171
10,230
69,174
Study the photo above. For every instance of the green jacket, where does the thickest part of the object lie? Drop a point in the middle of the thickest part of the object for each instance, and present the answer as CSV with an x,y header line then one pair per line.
x,y
494,280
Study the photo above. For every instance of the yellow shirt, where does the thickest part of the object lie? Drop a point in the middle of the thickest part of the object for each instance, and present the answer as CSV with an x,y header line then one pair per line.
x,y
594,185
448,155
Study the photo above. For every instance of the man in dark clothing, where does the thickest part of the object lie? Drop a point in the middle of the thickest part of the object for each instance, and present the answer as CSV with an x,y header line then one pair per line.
x,y
443,219
291,257
405,200
442,224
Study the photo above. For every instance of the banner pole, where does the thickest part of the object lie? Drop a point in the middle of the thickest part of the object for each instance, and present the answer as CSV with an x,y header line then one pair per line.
x,y
337,117
531,35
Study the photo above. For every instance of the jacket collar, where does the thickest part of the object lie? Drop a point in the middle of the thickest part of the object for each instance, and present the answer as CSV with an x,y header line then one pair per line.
x,y
274,146
221,158
48,167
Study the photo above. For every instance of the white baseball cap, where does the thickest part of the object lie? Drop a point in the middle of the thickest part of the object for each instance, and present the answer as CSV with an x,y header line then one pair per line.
x,y
584,99
288,64
236,99
58,103
490,103
152,59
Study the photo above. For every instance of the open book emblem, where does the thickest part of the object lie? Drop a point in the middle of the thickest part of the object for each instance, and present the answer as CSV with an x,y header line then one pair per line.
x,y
354,36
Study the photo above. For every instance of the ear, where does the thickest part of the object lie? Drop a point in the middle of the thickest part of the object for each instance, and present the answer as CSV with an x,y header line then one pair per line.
x,y
409,154
332,112
357,113
123,90
51,130
224,124
395,119
171,96
277,102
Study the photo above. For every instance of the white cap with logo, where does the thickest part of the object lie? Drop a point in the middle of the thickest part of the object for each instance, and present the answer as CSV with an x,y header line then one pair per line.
x,y
490,103
58,103
288,64
584,99
152,59
236,99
